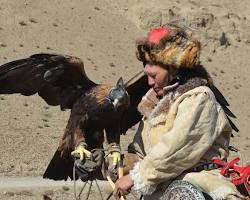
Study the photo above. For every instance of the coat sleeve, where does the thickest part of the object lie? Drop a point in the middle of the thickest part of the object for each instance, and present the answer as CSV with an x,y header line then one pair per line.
x,y
195,128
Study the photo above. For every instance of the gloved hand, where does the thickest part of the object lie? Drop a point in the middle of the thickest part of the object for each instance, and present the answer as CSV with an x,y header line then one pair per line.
x,y
98,158
87,169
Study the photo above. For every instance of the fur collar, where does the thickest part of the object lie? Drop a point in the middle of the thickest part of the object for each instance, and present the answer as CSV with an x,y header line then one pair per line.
x,y
155,110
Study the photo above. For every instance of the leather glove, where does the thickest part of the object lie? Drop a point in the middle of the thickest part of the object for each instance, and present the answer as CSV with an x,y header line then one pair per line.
x,y
86,169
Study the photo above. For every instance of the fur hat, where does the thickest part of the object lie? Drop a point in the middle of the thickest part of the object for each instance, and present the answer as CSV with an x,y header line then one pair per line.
x,y
170,46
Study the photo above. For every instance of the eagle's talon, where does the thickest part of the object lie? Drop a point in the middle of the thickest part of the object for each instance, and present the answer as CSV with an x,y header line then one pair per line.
x,y
114,154
81,152
114,158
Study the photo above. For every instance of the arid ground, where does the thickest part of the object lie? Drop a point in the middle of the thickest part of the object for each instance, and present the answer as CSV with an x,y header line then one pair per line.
x,y
103,34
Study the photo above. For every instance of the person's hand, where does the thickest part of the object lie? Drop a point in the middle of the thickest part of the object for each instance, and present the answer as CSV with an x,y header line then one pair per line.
x,y
122,186
98,157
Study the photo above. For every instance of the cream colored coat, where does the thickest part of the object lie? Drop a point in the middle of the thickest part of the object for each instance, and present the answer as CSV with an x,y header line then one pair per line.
x,y
194,130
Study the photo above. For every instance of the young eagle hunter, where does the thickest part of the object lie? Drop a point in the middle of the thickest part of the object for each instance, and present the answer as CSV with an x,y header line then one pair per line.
x,y
61,80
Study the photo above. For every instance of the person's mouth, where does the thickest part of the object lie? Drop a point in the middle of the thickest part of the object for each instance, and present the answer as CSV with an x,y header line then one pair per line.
x,y
157,89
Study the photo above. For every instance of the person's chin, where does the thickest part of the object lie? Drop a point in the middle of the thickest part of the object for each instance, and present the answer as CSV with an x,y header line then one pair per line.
x,y
158,91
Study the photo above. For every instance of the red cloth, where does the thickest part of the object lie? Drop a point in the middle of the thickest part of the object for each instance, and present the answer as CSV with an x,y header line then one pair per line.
x,y
157,34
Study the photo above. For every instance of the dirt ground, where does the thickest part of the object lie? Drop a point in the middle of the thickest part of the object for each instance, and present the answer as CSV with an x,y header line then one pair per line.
x,y
103,34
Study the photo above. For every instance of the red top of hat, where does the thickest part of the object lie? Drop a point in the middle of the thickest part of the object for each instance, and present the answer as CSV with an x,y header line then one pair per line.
x,y
157,34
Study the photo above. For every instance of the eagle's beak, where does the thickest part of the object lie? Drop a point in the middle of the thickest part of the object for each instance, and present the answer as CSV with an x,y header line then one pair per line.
x,y
115,104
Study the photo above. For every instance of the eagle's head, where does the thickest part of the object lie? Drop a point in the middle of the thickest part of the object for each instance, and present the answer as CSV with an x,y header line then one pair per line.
x,y
118,96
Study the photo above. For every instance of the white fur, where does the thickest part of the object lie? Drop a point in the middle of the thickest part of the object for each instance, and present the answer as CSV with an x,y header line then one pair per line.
x,y
139,186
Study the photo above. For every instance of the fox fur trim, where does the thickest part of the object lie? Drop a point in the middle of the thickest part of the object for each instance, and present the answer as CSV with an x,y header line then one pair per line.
x,y
175,50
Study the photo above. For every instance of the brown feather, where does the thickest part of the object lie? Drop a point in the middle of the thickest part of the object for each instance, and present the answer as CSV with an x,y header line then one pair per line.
x,y
100,93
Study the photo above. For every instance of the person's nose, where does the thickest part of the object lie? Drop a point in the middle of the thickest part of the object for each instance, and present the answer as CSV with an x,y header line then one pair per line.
x,y
151,81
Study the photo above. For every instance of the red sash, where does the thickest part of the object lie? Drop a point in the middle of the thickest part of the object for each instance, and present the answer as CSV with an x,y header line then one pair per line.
x,y
240,175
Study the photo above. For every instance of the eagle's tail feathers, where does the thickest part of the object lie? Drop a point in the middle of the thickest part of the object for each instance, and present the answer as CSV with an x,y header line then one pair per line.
x,y
60,167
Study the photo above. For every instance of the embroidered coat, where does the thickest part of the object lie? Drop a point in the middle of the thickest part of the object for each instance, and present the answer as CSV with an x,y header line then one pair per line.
x,y
185,128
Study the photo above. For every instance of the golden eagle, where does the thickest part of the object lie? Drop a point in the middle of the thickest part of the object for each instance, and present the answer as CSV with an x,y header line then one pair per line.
x,y
61,80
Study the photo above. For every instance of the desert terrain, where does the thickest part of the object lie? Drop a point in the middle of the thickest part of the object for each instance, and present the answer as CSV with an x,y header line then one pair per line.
x,y
102,33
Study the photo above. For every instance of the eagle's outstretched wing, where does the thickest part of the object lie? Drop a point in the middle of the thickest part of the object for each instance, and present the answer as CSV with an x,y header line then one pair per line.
x,y
58,79
224,104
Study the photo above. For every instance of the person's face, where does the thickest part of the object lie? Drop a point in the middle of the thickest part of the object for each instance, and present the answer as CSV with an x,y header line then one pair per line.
x,y
158,77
